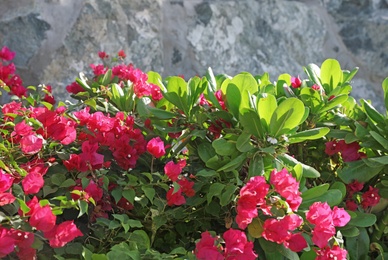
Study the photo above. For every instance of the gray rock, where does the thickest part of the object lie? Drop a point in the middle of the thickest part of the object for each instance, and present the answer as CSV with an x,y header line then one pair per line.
x,y
57,39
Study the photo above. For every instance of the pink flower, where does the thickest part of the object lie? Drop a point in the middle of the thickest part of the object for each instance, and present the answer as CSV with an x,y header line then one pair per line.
x,y
328,253
287,186
350,152
74,88
187,187
43,218
319,214
89,155
252,195
102,55
296,242
31,144
98,69
156,147
175,198
333,147
62,234
172,170
351,205
237,246
6,181
6,198
322,234
32,183
354,187
206,249
23,129
7,242
316,87
340,217
121,54
276,230
6,54
296,82
370,198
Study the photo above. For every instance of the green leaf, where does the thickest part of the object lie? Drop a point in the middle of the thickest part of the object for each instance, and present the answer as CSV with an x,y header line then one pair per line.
x,y
315,191
226,195
313,72
385,89
67,183
251,123
215,190
338,100
383,141
359,246
332,197
135,223
350,232
243,143
83,207
233,99
308,171
310,134
234,164
372,113
23,206
149,192
141,238
223,147
266,106
129,195
358,170
339,186
348,75
99,257
331,74
362,219
206,152
286,116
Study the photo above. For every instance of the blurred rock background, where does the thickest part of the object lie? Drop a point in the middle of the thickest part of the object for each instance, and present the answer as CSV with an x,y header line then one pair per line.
x,y
56,39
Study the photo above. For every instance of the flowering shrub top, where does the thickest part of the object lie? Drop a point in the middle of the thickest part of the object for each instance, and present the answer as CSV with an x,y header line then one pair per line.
x,y
215,167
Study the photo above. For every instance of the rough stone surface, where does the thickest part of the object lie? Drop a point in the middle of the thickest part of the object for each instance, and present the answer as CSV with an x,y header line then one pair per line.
x,y
56,39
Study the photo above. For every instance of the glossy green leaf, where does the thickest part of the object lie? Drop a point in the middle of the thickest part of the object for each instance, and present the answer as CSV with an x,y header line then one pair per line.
x,y
372,113
362,219
338,100
234,164
215,190
385,89
256,166
286,116
251,123
206,152
331,74
310,134
312,99
348,75
350,232
226,195
223,147
358,170
339,186
359,245
308,171
233,99
313,72
332,197
266,106
243,143
315,192
383,141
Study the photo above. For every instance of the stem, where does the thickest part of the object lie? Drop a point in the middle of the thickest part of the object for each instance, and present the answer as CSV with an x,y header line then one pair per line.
x,y
152,164
380,227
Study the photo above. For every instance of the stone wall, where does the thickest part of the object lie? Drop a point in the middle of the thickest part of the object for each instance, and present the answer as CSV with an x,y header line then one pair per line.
x,y
56,39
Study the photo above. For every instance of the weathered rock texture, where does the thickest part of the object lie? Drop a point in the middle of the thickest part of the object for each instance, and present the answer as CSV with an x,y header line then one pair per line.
x,y
56,39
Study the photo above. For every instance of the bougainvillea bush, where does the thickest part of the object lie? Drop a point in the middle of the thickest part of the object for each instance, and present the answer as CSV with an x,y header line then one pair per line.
x,y
137,166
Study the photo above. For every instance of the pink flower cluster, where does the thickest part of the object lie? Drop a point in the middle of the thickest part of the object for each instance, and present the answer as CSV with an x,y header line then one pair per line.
x,y
369,198
124,73
116,133
325,220
173,171
41,218
236,247
7,73
255,195
349,152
